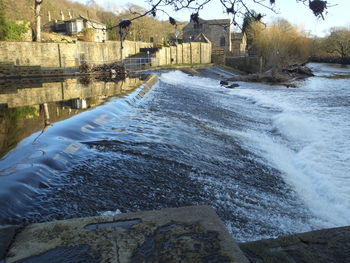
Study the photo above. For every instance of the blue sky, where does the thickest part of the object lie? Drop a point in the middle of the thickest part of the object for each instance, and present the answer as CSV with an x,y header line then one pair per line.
x,y
297,14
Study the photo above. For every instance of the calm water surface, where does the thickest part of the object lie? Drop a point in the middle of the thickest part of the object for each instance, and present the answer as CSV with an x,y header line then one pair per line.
x,y
269,160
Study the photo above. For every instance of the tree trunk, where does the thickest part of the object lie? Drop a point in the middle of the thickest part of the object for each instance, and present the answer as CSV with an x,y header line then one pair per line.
x,y
38,20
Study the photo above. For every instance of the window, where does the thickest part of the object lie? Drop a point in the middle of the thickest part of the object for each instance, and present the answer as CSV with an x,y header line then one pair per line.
x,y
74,27
222,42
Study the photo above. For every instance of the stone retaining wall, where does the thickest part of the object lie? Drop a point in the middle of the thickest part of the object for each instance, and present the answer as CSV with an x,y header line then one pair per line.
x,y
61,55
26,58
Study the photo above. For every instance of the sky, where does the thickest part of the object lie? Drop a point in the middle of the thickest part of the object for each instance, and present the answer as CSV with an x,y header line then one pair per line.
x,y
297,14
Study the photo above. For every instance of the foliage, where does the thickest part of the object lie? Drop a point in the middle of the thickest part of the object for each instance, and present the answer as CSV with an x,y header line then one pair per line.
x,y
338,42
14,30
10,29
22,113
112,33
250,18
3,27
318,47
280,44
88,34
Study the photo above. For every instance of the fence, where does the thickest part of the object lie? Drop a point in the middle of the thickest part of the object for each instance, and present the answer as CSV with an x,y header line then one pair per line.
x,y
218,51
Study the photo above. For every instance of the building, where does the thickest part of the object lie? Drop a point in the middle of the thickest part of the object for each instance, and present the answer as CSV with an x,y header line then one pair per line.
x,y
239,44
218,31
79,27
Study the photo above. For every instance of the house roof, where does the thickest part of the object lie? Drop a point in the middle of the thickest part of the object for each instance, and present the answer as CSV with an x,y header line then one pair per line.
x,y
202,38
218,21
223,22
83,18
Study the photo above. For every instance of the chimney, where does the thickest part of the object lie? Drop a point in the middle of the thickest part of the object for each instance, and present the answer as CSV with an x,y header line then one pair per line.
x,y
62,16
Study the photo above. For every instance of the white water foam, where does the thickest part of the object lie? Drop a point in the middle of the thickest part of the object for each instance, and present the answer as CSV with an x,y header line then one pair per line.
x,y
180,78
110,213
308,141
312,151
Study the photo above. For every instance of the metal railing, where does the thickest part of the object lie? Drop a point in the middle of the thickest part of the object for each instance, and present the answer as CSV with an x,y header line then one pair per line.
x,y
131,64
141,63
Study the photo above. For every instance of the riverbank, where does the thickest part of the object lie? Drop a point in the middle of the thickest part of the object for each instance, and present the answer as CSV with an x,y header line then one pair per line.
x,y
330,59
286,76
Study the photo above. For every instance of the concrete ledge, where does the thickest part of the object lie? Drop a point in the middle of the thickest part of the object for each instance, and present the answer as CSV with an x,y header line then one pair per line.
x,y
7,235
188,234
151,80
321,246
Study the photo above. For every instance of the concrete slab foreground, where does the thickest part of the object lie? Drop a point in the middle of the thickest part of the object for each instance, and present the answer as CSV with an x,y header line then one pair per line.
x,y
321,246
188,234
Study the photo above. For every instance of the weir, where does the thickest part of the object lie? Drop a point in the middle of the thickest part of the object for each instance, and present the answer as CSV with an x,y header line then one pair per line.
x,y
187,234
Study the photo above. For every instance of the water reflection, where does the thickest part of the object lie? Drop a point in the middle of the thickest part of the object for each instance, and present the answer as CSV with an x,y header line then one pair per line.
x,y
28,106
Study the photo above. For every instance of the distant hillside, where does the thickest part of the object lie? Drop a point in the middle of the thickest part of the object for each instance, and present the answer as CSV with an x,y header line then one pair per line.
x,y
142,29
23,10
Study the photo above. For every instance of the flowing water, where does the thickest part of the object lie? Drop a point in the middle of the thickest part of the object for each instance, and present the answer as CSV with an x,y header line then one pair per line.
x,y
270,160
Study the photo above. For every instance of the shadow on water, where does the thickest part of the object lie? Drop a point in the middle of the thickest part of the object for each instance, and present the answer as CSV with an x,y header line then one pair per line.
x,y
32,105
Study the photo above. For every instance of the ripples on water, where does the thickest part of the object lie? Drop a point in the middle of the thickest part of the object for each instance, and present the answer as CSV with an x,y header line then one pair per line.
x,y
270,160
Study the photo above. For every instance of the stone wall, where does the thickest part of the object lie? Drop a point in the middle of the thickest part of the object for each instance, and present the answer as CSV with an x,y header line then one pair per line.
x,y
66,54
70,55
246,64
187,53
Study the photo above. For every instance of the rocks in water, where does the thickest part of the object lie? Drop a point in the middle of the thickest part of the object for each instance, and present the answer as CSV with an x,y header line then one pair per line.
x,y
226,84
113,68
300,71
115,71
285,76
232,86
223,83
290,85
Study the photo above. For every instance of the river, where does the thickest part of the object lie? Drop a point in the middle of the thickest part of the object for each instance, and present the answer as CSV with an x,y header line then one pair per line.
x,y
269,159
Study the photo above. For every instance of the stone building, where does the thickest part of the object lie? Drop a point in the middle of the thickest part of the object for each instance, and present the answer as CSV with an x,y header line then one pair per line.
x,y
218,31
239,44
75,27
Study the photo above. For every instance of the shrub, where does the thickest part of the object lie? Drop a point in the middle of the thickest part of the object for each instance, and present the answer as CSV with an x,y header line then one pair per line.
x,y
15,30
280,44
87,34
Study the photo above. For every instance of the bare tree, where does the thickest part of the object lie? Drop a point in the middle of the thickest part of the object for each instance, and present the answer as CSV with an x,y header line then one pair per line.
x,y
338,42
236,8
279,44
37,9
